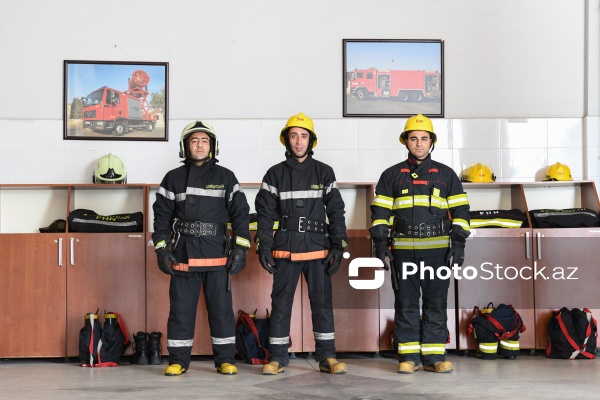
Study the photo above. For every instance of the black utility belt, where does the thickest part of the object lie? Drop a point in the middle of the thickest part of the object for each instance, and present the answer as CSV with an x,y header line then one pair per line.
x,y
197,228
302,224
422,230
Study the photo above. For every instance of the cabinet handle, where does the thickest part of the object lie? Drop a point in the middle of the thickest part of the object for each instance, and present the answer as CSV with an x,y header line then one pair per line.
x,y
72,251
527,245
539,245
59,241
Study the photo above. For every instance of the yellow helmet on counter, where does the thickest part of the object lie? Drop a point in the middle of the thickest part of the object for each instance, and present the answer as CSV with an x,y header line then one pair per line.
x,y
478,173
558,172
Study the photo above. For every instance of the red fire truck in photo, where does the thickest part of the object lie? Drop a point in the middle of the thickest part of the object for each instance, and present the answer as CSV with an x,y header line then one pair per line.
x,y
109,110
404,84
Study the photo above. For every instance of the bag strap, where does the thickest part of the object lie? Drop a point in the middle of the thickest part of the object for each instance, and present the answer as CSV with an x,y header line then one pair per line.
x,y
588,330
470,329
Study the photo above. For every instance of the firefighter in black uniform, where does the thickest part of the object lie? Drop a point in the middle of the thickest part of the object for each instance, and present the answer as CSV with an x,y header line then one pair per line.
x,y
193,206
300,193
414,197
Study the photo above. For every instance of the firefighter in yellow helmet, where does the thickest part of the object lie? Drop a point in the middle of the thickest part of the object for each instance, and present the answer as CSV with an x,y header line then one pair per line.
x,y
558,172
418,193
193,205
479,173
302,194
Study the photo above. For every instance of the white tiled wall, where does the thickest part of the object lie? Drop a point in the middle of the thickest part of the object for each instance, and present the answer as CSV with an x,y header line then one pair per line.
x,y
358,149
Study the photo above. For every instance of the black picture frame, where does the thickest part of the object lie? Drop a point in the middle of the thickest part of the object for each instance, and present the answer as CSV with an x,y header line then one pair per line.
x,y
115,100
393,77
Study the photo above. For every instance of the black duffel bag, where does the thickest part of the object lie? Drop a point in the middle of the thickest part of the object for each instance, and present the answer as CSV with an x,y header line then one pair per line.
x,y
82,220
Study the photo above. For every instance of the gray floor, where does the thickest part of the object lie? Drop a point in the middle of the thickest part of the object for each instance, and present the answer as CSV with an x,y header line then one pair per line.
x,y
527,377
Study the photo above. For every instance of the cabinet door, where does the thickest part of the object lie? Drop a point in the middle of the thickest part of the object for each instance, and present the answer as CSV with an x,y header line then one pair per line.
x,y
33,295
356,312
568,273
105,271
500,257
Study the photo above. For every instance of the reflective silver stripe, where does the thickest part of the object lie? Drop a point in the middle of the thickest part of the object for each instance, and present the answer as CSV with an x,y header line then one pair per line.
x,y
242,242
110,223
236,188
180,343
279,340
180,197
488,347
164,192
433,349
301,194
324,336
226,340
512,344
269,188
332,186
206,192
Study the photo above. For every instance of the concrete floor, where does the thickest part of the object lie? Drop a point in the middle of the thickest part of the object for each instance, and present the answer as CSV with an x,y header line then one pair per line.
x,y
527,377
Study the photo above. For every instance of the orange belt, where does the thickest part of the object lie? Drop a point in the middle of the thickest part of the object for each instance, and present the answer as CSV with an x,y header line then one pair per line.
x,y
311,255
201,262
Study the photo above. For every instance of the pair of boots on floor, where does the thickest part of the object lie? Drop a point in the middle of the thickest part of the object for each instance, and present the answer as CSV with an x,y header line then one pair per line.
x,y
147,348
329,365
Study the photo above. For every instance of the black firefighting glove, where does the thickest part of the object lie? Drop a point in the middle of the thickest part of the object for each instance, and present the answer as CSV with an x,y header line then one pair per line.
x,y
456,254
237,260
382,251
164,256
264,242
334,259
266,260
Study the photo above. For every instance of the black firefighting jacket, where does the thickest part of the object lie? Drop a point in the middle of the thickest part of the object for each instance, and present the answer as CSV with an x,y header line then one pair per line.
x,y
209,193
295,189
408,195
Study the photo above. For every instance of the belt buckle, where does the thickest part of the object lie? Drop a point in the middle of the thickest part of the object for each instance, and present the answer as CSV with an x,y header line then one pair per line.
x,y
300,224
283,223
422,227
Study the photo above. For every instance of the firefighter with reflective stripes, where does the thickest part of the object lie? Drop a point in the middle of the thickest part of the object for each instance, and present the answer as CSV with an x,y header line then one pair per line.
x,y
193,206
414,197
301,193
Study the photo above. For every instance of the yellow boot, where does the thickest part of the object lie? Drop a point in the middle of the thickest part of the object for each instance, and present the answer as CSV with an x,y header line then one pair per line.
x,y
332,366
439,367
227,369
407,367
273,368
174,369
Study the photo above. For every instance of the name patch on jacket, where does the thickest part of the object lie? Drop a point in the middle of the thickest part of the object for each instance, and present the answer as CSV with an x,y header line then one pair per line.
x,y
221,186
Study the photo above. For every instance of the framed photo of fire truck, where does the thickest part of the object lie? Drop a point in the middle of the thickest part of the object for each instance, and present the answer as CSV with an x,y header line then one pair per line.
x,y
393,78
115,100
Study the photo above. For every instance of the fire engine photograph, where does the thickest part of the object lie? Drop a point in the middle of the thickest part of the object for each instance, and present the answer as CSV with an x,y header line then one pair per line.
x,y
115,100
393,78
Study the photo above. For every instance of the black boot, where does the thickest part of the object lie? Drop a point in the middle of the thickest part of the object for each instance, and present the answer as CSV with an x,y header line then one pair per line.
x,y
141,348
154,348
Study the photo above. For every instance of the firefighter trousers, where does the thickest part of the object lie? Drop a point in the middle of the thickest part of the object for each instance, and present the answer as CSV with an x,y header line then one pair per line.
x,y
285,281
184,293
421,338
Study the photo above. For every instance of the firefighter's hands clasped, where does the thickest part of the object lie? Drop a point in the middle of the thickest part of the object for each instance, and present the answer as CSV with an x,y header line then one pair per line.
x,y
237,260
456,254
382,251
164,256
334,260
266,260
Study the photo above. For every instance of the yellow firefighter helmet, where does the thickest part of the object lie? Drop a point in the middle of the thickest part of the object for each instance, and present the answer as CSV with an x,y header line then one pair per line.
x,y
478,173
300,121
418,122
558,172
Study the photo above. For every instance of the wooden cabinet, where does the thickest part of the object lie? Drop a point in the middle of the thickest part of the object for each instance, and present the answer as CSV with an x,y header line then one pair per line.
x,y
32,294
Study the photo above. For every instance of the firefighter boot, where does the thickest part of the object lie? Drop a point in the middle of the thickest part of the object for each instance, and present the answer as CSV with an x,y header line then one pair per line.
x,y
154,350
439,367
174,370
141,348
227,369
407,367
332,366
273,368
